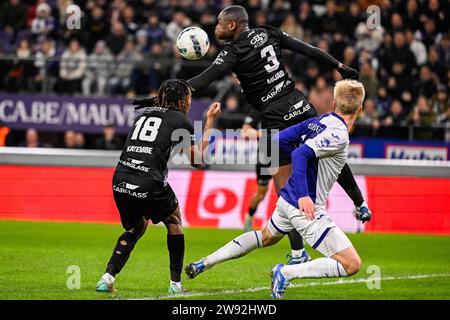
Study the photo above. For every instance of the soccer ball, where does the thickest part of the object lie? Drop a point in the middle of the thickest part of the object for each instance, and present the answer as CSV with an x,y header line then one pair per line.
x,y
192,43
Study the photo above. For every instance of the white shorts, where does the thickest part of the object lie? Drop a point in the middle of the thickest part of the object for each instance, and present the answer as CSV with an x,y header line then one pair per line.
x,y
321,233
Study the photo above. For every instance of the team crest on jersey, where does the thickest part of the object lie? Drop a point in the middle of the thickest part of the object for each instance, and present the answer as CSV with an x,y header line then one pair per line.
x,y
259,39
219,59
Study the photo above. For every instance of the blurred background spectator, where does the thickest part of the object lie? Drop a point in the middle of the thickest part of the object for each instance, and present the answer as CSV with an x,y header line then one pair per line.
x,y
109,140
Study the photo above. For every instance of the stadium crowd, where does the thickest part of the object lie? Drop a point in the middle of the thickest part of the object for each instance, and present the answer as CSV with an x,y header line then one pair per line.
x,y
126,47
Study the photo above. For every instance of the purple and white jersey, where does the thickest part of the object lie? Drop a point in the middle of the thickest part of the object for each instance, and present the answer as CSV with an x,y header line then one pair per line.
x,y
319,148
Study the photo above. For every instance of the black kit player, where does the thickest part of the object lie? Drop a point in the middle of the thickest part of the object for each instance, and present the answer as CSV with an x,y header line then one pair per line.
x,y
255,57
140,187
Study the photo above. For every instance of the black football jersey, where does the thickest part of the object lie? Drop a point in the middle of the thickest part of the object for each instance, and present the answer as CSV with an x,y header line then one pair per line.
x,y
151,140
256,59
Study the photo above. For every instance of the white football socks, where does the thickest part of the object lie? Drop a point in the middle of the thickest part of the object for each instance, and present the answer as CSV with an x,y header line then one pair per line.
x,y
317,268
297,253
236,248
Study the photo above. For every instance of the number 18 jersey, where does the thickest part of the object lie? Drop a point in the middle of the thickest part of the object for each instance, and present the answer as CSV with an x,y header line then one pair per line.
x,y
151,139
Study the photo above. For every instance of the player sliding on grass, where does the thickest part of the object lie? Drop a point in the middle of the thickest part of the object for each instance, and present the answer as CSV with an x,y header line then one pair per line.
x,y
319,148
140,187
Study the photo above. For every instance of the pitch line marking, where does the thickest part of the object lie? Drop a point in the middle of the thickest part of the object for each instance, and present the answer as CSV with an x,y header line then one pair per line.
x,y
296,285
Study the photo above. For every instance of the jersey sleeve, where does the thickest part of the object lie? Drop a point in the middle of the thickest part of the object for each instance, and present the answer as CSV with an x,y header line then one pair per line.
x,y
314,53
290,138
223,65
328,142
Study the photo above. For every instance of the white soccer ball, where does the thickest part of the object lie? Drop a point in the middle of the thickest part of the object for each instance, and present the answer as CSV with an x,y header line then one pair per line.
x,y
192,43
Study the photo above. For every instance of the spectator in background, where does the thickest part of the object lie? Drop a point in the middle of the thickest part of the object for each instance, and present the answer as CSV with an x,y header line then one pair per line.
x,y
72,68
352,19
79,140
142,45
45,67
442,102
369,115
307,17
332,20
21,71
429,34
350,58
422,114
117,38
291,27
69,140
99,66
401,53
260,18
424,117
369,80
31,139
382,101
125,64
43,24
321,96
231,116
109,141
434,12
13,15
397,23
278,12
396,115
155,29
417,48
178,23
97,27
411,17
426,85
128,20
444,51
437,68
4,132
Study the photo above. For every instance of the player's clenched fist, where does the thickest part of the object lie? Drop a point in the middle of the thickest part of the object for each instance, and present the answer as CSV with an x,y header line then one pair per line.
x,y
213,111
306,205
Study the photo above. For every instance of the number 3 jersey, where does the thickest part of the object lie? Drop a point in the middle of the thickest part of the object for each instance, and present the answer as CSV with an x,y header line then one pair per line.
x,y
150,142
256,59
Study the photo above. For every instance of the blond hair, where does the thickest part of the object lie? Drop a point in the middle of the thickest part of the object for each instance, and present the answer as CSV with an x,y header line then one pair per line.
x,y
348,96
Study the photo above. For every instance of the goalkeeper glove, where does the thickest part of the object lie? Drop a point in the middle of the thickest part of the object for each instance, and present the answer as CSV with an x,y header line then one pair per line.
x,y
363,212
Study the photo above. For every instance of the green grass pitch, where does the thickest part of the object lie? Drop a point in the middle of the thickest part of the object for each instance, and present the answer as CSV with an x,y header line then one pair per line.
x,y
34,258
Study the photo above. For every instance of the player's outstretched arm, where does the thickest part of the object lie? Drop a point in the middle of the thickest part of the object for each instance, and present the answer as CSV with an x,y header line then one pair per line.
x,y
300,159
223,64
197,151
318,55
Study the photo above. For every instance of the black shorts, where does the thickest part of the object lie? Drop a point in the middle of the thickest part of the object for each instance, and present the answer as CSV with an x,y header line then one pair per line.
x,y
138,198
289,110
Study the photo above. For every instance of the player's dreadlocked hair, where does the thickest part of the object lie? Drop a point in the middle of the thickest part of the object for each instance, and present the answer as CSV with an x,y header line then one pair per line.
x,y
174,94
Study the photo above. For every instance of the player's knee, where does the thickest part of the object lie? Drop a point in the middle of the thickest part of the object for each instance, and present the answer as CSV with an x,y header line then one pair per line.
x,y
353,265
268,239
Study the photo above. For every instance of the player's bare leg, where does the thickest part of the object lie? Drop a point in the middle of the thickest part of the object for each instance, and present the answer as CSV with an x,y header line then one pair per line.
x,y
125,244
236,248
175,245
298,253
254,202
